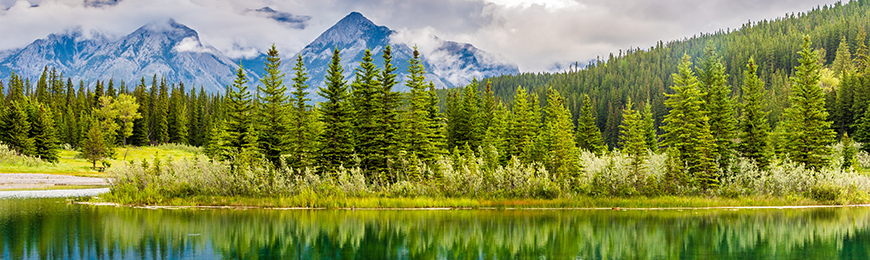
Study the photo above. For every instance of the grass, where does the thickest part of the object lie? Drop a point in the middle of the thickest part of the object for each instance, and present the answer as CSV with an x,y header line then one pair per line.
x,y
70,163
61,187
308,201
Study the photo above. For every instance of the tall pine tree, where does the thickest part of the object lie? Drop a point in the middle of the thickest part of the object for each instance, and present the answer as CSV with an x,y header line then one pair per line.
x,y
272,111
754,129
588,135
336,141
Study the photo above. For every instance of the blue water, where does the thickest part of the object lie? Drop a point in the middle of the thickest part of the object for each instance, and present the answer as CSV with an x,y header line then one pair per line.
x,y
56,229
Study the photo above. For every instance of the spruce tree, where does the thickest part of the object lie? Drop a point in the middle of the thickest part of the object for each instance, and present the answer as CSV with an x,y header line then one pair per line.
x,y
239,115
161,115
633,138
848,151
588,135
564,158
368,107
43,133
843,60
649,129
302,136
390,142
16,128
272,111
754,129
524,127
719,107
93,145
687,128
140,124
336,141
809,134
420,128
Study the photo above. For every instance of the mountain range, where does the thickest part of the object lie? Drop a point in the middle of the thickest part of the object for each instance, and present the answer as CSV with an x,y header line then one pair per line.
x,y
174,51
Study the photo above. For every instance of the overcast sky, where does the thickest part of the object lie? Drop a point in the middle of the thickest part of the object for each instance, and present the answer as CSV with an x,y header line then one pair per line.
x,y
535,34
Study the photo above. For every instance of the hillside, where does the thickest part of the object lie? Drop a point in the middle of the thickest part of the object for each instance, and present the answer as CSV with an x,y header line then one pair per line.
x,y
647,74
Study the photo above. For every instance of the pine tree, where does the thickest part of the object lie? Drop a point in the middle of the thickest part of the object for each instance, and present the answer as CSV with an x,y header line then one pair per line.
x,y
687,128
843,60
564,158
16,128
302,135
720,108
390,143
588,135
754,129
809,133
239,115
633,138
525,125
649,129
848,151
368,107
217,146
140,125
178,119
420,124
272,110
336,140
93,145
42,132
161,115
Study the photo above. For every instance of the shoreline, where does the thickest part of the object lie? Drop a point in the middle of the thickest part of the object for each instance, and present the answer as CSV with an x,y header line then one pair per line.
x,y
472,208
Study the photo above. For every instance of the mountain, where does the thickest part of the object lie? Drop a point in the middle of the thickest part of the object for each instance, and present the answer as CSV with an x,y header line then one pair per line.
x,y
166,48
174,51
451,64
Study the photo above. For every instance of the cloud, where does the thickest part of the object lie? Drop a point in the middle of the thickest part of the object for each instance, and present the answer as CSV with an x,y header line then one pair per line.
x,y
190,44
536,34
293,21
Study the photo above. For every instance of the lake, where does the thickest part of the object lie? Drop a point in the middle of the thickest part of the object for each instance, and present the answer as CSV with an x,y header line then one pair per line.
x,y
56,229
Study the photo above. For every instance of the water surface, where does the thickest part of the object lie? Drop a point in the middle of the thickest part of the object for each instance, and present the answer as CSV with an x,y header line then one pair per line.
x,y
55,229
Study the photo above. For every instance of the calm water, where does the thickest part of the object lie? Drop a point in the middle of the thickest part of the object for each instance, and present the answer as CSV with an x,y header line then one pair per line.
x,y
54,229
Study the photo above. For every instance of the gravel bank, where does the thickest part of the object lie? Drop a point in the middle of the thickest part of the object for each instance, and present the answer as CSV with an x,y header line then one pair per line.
x,y
14,181
23,194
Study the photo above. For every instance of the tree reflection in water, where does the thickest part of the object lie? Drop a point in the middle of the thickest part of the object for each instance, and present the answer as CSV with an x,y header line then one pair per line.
x,y
48,228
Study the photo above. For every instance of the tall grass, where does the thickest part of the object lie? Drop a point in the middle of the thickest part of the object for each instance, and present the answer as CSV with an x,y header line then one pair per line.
x,y
469,176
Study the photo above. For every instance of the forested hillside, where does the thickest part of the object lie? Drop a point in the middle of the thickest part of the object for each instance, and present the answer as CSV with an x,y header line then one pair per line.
x,y
646,75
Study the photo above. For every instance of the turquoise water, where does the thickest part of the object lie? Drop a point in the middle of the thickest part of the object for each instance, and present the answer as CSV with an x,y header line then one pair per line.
x,y
55,229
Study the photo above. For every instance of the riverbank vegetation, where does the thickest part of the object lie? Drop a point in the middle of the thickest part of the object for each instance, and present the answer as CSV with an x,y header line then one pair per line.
x,y
705,135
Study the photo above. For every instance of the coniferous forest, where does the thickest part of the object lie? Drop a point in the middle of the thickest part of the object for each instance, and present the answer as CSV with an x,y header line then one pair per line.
x,y
767,109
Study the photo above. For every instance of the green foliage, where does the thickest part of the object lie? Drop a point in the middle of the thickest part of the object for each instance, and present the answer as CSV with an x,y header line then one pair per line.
x,y
563,159
336,141
368,107
93,146
849,151
633,138
524,127
649,129
719,106
301,144
422,126
239,115
687,128
42,132
272,112
588,135
809,131
16,127
753,128
128,113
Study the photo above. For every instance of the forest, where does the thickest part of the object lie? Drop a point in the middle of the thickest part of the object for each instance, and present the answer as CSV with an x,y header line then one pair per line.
x,y
765,110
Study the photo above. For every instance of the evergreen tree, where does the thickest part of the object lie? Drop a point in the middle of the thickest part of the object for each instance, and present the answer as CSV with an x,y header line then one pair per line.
x,y
809,133
368,107
93,146
217,146
848,151
302,135
140,124
720,108
649,129
843,60
754,129
633,138
42,132
421,127
273,120
16,128
161,115
524,126
564,159
687,128
390,143
178,118
588,135
336,140
239,115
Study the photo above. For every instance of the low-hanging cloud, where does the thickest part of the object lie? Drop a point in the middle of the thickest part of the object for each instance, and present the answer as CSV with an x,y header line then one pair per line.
x,y
536,34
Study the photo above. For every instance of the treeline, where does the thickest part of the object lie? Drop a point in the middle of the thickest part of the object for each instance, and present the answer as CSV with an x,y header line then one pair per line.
x,y
644,76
